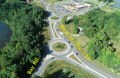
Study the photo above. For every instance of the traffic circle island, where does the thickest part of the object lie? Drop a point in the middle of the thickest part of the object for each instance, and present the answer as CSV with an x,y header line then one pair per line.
x,y
59,47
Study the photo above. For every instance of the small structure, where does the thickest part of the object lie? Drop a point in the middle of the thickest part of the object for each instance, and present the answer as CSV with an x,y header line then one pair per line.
x,y
80,30
69,18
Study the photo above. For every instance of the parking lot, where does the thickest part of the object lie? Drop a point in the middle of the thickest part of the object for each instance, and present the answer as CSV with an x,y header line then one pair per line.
x,y
60,10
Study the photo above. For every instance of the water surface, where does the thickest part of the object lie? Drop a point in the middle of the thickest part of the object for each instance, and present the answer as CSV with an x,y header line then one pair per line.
x,y
5,34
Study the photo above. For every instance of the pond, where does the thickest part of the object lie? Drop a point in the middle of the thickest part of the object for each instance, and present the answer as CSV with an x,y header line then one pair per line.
x,y
116,4
5,34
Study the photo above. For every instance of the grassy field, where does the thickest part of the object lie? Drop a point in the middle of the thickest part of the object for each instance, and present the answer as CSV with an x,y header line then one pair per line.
x,y
69,27
83,40
56,66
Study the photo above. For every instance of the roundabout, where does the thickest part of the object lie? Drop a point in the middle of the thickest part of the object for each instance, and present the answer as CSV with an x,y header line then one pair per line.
x,y
59,47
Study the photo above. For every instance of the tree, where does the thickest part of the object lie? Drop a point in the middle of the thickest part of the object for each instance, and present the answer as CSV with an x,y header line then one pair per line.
x,y
76,23
59,74
26,22
107,0
102,28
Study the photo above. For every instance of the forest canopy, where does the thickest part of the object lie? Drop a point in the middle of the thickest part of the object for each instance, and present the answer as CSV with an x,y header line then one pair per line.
x,y
103,31
26,22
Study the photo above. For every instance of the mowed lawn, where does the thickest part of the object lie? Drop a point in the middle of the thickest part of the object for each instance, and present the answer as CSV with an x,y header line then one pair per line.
x,y
83,40
53,1
69,27
58,65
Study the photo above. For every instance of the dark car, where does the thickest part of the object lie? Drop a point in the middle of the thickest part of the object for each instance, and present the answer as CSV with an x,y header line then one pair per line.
x,y
51,51
76,53
57,30
68,41
52,58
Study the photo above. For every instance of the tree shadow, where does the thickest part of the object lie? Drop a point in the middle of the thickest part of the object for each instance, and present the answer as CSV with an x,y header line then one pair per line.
x,y
60,74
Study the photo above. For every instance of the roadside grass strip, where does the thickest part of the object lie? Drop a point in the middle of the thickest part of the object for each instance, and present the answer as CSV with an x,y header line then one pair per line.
x,y
52,25
74,41
74,58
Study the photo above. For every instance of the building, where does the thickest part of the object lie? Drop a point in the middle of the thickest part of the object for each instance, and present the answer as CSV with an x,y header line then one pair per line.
x,y
76,6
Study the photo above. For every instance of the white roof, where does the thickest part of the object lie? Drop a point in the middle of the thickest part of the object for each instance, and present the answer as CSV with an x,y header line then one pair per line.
x,y
79,6
87,4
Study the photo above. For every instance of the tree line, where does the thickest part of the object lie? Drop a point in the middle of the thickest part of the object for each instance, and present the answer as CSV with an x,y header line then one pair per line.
x,y
106,0
102,29
27,41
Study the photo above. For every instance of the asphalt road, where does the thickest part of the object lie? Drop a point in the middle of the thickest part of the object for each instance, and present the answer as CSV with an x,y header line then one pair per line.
x,y
86,65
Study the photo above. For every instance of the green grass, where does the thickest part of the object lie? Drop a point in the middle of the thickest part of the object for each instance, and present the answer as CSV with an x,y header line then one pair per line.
x,y
53,1
38,3
108,9
58,65
56,36
59,47
69,27
55,18
83,40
